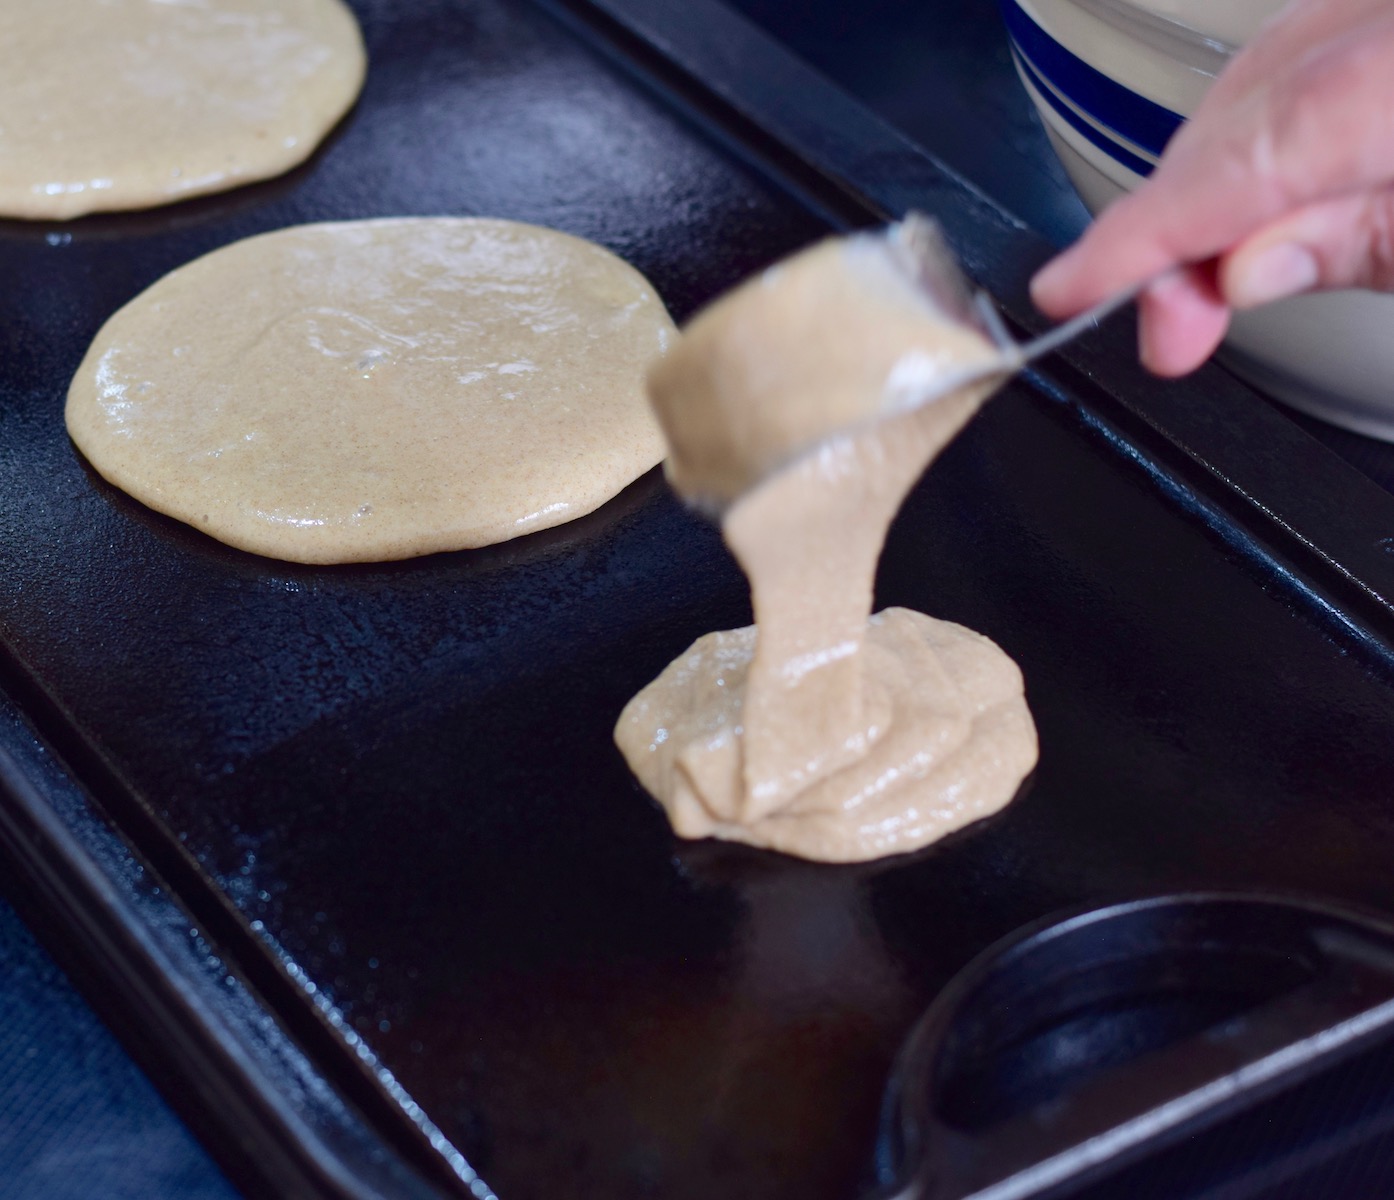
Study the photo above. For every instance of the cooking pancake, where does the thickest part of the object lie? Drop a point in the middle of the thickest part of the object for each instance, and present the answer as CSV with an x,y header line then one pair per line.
x,y
119,104
371,390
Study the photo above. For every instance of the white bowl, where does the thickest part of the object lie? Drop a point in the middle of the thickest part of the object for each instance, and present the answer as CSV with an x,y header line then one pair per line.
x,y
1111,80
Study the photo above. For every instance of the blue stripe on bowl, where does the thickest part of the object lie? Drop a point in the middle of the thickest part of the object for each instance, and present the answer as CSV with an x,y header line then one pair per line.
x,y
1142,121
1120,154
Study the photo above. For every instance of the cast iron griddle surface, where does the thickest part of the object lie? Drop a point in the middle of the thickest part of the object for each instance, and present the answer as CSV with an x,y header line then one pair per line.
x,y
401,777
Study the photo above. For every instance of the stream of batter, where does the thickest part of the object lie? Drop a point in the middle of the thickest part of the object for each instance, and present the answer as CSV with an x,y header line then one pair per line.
x,y
797,407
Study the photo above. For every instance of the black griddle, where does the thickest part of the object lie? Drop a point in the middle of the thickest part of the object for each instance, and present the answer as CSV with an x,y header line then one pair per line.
x,y
347,854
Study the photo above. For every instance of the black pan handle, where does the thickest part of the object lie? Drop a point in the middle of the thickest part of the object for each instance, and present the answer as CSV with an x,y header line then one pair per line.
x,y
1074,1046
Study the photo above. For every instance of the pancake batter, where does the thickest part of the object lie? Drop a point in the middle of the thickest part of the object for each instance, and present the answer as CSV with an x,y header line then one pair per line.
x,y
799,400
374,390
117,104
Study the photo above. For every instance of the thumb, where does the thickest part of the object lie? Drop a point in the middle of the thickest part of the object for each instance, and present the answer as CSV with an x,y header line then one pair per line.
x,y
1341,243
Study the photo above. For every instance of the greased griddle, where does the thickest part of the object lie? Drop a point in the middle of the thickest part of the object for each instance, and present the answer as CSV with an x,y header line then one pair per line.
x,y
347,853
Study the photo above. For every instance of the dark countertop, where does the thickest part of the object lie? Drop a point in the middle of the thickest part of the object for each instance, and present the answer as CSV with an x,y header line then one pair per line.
x,y
79,1118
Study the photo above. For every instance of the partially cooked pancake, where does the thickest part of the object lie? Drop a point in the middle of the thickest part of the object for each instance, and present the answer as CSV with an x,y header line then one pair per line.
x,y
374,390
117,104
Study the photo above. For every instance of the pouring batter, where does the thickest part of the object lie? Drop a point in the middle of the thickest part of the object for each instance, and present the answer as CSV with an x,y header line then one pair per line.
x,y
818,731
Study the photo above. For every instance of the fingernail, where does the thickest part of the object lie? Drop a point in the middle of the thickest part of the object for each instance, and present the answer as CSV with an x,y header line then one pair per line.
x,y
1272,274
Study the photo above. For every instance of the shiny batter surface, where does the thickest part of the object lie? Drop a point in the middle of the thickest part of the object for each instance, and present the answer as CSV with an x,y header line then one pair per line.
x,y
373,390
118,104
819,731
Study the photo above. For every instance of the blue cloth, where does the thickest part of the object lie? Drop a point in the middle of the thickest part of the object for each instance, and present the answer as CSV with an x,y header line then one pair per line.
x,y
78,1120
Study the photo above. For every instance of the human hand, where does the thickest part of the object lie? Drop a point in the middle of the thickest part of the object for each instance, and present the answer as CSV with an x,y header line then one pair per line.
x,y
1281,182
